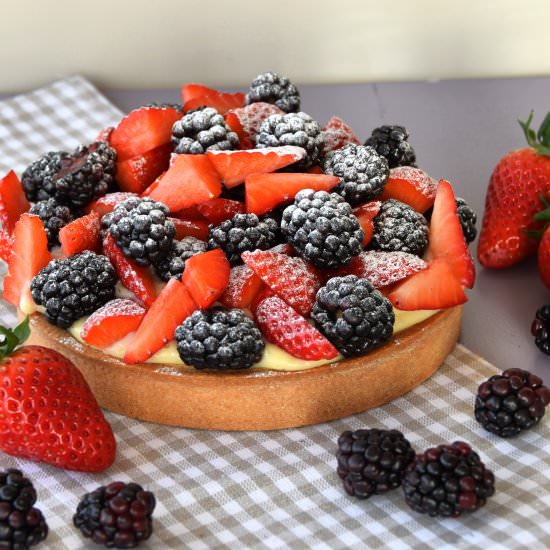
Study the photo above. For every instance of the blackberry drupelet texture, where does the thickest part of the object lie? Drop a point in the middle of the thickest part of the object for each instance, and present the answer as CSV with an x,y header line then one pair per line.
x,y
372,461
322,228
180,251
447,480
118,515
398,227
141,229
54,216
203,130
511,402
38,178
353,315
293,129
273,88
540,329
363,171
391,142
468,219
243,232
219,339
74,287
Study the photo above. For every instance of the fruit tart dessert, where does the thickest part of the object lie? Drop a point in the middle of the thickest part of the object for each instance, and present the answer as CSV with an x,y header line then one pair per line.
x,y
228,263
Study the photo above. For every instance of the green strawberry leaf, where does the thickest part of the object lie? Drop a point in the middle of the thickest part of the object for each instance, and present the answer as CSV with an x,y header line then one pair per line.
x,y
11,338
539,141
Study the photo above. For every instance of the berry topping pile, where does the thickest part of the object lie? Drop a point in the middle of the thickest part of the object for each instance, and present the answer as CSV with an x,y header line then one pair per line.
x,y
229,222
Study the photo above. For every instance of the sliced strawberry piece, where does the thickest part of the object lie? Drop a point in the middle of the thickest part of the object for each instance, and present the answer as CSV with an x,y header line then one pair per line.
x,y
29,255
13,201
447,240
191,91
6,245
190,213
249,118
105,134
111,322
283,326
242,288
206,276
190,228
292,279
142,130
81,234
365,214
436,287
411,186
107,203
221,101
266,191
135,278
172,306
218,210
235,125
190,180
234,166
383,268
338,133
137,173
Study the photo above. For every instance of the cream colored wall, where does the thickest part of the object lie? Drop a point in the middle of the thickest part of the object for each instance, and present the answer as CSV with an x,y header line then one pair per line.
x,y
162,43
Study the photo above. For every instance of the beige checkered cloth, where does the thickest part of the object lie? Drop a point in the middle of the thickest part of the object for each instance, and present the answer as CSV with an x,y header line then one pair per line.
x,y
279,489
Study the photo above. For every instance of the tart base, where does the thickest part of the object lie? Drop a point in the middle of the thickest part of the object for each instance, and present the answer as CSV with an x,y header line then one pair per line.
x,y
259,399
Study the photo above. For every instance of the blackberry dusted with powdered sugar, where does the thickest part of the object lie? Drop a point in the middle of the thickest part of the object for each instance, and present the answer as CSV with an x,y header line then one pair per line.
x,y
390,141
38,178
203,130
273,88
467,218
54,216
173,265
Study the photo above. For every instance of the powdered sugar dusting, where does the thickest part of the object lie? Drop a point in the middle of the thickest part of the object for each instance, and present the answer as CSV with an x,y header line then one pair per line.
x,y
424,183
297,152
251,116
119,307
338,133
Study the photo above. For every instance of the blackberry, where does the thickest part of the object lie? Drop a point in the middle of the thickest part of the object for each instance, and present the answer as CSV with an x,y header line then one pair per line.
x,y
219,339
353,315
468,219
398,227
74,287
38,178
203,130
540,329
141,229
243,232
180,251
86,175
21,525
372,461
511,402
54,216
363,171
118,515
322,228
293,129
447,480
391,142
273,88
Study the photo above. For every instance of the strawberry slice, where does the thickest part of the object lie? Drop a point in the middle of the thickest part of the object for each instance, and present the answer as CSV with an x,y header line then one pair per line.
x,y
411,186
6,245
190,228
81,234
137,173
283,326
107,203
206,276
447,240
111,322
234,166
243,287
29,255
246,121
235,126
218,210
13,201
190,213
292,279
265,191
190,180
105,134
172,306
383,268
435,287
142,130
365,214
338,133
201,96
135,278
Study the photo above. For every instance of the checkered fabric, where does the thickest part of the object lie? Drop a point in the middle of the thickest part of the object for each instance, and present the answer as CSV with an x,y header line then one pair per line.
x,y
279,489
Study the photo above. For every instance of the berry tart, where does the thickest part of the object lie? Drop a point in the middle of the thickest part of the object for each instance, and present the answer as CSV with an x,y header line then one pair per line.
x,y
230,264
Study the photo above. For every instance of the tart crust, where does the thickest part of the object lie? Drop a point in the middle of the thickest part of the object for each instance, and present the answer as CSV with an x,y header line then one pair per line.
x,y
259,399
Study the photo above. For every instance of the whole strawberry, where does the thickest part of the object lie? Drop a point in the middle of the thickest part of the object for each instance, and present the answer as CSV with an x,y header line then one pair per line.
x,y
47,411
512,200
543,257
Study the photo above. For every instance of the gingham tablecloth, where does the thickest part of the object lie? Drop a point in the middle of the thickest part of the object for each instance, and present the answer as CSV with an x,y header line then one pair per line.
x,y
278,489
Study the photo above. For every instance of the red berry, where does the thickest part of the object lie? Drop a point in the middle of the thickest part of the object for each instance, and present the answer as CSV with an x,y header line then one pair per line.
x,y
190,228
246,121
338,133
81,234
243,287
543,257
107,203
218,210
13,201
411,186
365,214
196,95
